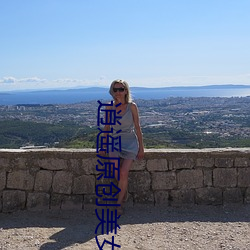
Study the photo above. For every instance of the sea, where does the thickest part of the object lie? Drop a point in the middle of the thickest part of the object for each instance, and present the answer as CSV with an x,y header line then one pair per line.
x,y
72,96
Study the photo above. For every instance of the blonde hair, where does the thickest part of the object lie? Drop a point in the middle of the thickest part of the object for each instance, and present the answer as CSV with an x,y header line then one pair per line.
x,y
128,97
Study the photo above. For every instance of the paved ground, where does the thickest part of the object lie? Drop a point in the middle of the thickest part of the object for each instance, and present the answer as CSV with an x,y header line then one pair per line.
x,y
140,228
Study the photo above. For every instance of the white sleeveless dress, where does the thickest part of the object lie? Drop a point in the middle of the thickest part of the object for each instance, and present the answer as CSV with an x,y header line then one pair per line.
x,y
129,140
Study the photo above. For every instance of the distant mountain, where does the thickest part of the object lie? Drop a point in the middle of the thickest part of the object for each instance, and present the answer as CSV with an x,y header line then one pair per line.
x,y
225,86
76,95
100,89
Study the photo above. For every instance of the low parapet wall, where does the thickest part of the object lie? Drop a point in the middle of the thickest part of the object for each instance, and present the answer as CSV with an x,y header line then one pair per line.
x,y
67,179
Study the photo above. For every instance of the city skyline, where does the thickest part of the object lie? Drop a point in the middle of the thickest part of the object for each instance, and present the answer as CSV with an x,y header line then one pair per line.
x,y
64,44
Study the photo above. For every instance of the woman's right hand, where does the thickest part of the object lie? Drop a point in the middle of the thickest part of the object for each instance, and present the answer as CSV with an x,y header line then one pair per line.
x,y
102,152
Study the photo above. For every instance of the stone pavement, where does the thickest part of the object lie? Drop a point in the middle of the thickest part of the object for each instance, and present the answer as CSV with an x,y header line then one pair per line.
x,y
141,227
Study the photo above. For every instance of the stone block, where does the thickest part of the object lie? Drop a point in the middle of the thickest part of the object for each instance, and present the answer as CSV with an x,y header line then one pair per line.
x,y
43,181
170,165
62,182
244,177
208,196
224,162
56,201
163,180
225,177
72,202
232,195
88,166
242,162
157,165
138,165
84,184
104,167
75,166
181,197
247,196
130,201
146,197
183,163
1,201
38,201
208,177
52,163
139,182
21,162
13,200
5,164
100,203
20,179
100,165
107,189
104,192
2,180
205,162
161,198
99,184
90,199
192,178
105,181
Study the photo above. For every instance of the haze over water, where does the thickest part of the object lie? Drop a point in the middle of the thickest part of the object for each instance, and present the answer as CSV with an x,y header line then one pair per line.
x,y
82,95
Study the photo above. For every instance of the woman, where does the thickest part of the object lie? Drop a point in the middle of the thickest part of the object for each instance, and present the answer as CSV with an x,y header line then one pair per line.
x,y
131,135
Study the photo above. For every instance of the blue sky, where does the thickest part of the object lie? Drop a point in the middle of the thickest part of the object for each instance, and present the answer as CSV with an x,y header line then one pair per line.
x,y
152,43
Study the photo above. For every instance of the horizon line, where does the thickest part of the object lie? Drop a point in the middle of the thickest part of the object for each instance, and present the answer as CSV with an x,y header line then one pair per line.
x,y
131,87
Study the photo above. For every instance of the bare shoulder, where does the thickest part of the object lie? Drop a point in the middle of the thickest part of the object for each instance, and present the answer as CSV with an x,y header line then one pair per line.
x,y
134,107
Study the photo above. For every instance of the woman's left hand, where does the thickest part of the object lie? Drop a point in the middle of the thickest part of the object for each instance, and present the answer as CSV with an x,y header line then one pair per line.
x,y
140,154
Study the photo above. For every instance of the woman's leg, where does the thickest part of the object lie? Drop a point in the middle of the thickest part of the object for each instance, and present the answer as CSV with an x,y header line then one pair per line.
x,y
125,165
116,166
123,183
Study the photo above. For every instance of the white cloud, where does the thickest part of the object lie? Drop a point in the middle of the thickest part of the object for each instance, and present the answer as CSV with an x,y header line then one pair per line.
x,y
8,80
68,80
32,80
11,83
12,80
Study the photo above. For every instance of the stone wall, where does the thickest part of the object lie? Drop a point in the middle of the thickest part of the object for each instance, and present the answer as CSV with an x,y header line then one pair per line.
x,y
67,179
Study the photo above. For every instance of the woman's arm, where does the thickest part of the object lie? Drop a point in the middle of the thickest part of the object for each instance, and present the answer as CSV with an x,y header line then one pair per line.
x,y
137,126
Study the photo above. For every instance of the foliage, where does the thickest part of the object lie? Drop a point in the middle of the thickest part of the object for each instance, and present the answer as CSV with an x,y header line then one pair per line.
x,y
16,133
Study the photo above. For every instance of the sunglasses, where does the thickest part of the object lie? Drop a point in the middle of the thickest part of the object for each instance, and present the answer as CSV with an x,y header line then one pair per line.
x,y
118,89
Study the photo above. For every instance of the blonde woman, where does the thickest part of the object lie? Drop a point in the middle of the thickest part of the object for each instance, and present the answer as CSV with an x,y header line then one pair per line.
x,y
132,147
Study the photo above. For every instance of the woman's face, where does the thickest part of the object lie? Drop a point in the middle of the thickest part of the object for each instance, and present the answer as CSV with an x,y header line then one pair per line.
x,y
119,91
